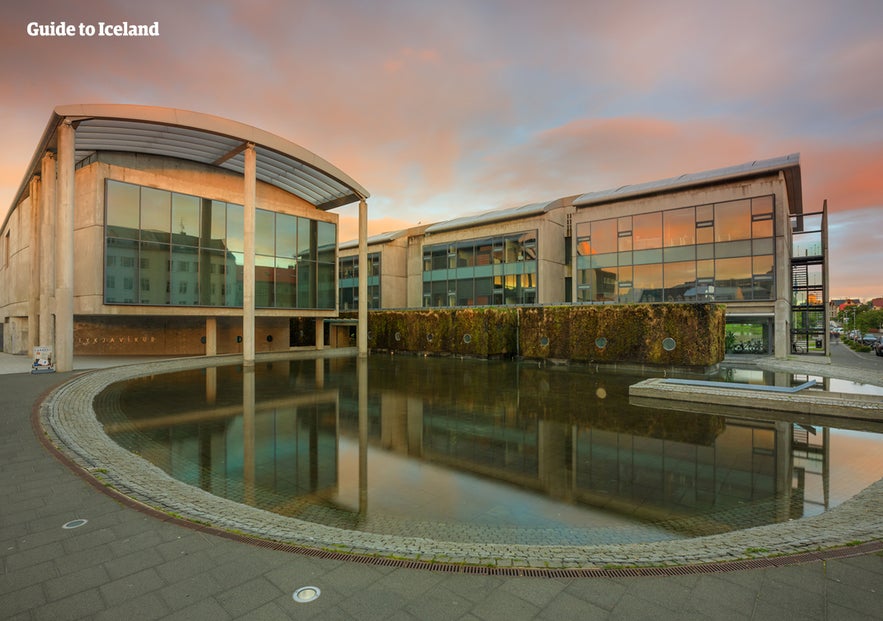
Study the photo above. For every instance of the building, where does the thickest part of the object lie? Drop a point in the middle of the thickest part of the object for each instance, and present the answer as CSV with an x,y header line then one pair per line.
x,y
737,235
153,230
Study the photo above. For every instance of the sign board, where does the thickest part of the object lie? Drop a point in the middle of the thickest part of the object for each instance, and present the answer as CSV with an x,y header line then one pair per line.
x,y
43,362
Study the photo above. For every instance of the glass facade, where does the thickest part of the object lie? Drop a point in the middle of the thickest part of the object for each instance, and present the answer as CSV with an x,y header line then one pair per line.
x,y
170,249
481,271
348,281
719,252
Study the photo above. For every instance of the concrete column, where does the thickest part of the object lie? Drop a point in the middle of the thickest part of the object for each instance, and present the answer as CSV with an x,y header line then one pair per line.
x,y
249,201
320,333
47,250
34,318
362,334
64,250
211,336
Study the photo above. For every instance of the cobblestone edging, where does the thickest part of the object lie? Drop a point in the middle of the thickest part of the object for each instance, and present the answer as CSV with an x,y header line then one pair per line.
x,y
69,421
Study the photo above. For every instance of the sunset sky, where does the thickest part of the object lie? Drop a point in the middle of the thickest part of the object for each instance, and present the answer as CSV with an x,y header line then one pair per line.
x,y
441,109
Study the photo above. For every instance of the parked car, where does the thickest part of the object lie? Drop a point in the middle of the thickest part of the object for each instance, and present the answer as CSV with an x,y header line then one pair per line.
x,y
878,346
869,340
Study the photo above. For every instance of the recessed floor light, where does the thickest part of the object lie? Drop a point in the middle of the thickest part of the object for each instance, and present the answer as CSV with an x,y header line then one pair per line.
x,y
74,524
306,594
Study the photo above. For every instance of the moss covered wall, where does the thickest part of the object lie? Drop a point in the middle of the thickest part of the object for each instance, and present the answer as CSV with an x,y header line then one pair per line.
x,y
633,333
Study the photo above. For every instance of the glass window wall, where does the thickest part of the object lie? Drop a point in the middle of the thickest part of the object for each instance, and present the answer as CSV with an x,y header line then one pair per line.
x,y
481,271
724,251
184,250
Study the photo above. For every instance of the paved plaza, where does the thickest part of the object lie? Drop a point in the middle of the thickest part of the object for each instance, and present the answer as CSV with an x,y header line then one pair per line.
x,y
127,563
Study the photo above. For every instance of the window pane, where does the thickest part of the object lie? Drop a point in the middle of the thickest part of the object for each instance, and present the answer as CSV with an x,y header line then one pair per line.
x,y
732,249
763,277
306,247
648,281
212,276
732,220
156,208
326,244
264,281
121,258
286,235
730,277
604,260
235,227
214,214
185,219
762,205
153,274
123,207
306,287
679,253
604,237
264,232
762,228
679,227
286,282
679,279
327,290
647,230
234,288
185,276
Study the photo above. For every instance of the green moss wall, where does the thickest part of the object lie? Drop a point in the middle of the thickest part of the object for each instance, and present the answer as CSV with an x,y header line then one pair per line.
x,y
634,333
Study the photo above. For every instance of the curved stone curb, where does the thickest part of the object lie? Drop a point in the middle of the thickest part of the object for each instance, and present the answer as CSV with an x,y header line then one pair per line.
x,y
69,421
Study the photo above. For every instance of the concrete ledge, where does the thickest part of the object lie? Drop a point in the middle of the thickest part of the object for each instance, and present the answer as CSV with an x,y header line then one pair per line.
x,y
805,403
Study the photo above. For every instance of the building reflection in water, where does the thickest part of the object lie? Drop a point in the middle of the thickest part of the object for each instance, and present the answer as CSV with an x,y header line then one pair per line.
x,y
364,443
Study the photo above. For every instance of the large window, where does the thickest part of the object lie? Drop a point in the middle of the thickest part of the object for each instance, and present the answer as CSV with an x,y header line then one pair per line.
x,y
723,251
349,281
183,250
481,271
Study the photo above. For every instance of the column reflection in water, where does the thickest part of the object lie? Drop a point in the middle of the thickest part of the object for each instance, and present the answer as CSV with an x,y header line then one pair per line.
x,y
248,434
362,370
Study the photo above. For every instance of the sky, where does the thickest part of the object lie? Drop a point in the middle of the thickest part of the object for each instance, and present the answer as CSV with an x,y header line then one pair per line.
x,y
442,109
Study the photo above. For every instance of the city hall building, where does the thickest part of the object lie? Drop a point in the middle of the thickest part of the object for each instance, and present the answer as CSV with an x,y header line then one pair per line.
x,y
160,231
738,236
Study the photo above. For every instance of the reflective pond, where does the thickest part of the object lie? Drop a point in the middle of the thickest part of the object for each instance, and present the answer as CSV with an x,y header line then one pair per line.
x,y
480,451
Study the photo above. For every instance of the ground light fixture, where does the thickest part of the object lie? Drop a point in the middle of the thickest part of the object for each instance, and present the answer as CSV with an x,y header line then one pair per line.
x,y
74,524
306,594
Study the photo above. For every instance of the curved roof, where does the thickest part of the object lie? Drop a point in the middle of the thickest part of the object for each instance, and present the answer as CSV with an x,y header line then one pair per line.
x,y
200,138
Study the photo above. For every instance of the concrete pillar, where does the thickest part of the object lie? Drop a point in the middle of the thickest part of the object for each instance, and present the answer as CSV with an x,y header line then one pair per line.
x,y
64,250
47,250
211,336
34,284
362,334
320,333
248,284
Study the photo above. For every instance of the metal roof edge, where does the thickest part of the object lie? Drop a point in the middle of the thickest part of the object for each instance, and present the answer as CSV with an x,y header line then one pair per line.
x,y
748,169
496,215
380,238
